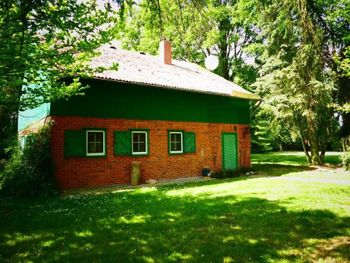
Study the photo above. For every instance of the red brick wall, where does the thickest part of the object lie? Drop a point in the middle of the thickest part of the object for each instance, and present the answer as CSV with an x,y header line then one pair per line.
x,y
84,172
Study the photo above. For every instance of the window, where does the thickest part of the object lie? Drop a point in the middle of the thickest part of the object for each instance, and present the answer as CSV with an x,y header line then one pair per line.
x,y
176,142
95,143
139,142
181,142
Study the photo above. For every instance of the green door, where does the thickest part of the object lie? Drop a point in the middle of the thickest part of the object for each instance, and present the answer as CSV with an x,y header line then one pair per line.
x,y
229,151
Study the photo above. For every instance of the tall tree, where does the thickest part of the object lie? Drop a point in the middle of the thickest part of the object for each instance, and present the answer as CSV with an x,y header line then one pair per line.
x,y
294,77
41,42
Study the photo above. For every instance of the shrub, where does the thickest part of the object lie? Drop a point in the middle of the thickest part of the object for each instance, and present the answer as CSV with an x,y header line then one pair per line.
x,y
29,171
222,174
245,170
2,165
346,161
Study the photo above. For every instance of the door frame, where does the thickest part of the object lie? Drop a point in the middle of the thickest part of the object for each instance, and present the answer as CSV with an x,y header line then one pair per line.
x,y
222,149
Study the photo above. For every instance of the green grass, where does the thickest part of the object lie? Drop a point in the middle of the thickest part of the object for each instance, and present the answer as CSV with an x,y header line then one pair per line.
x,y
298,215
292,158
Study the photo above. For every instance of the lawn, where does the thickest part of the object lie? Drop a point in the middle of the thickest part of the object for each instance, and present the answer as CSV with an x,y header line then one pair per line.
x,y
292,158
299,214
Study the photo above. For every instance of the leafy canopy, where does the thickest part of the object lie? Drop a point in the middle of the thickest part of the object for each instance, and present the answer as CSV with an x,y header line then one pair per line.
x,y
41,42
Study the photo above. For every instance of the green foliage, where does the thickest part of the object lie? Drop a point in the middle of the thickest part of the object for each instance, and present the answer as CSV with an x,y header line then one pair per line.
x,y
271,133
302,77
41,43
196,29
261,134
297,90
29,171
222,174
182,22
346,160
345,63
287,43
261,140
2,164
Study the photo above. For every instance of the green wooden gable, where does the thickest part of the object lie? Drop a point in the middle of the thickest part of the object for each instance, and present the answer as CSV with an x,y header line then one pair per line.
x,y
107,99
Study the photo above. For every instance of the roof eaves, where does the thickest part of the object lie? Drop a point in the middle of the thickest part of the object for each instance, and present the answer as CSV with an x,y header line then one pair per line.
x,y
161,86
249,96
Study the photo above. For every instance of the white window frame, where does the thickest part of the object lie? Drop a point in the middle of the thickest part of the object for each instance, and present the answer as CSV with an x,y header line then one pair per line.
x,y
132,143
182,141
103,153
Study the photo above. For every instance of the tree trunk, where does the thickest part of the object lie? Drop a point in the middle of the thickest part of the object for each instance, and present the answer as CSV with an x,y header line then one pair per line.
x,y
323,147
224,28
224,67
322,155
343,144
308,158
314,147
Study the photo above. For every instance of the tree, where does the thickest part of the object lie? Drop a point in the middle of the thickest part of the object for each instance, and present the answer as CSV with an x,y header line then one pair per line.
x,y
294,78
333,18
41,42
182,22
196,29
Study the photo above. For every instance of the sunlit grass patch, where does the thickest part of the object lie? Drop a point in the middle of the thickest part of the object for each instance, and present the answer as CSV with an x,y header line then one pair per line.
x,y
85,233
292,158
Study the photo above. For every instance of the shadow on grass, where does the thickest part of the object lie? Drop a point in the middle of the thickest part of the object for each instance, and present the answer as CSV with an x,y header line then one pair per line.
x,y
153,226
263,170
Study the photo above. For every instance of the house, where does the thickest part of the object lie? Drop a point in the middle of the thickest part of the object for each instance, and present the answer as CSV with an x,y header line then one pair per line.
x,y
173,117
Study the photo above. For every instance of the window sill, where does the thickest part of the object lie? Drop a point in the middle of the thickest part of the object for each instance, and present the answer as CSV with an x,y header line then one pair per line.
x,y
95,156
172,153
139,154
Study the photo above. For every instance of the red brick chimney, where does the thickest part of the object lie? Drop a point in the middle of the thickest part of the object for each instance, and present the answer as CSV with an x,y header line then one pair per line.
x,y
165,51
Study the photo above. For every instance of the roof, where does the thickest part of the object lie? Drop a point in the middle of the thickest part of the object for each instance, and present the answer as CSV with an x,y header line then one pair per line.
x,y
138,68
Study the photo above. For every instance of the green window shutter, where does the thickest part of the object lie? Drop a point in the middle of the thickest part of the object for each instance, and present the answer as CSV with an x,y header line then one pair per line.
x,y
74,143
189,142
122,142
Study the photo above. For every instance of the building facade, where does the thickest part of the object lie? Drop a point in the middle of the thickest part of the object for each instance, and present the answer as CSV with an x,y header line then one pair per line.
x,y
172,128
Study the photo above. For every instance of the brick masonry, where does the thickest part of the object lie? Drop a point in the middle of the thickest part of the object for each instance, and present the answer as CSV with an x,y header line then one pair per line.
x,y
96,171
165,51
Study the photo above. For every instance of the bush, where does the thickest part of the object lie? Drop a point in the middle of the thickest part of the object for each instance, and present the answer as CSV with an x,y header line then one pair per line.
x,y
346,160
29,171
2,165
222,174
